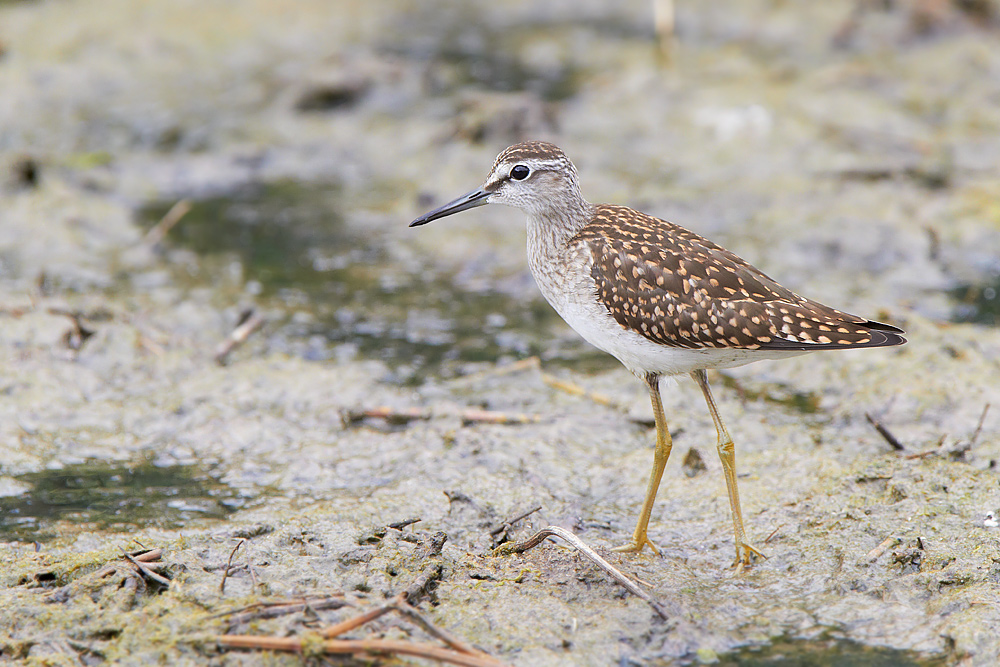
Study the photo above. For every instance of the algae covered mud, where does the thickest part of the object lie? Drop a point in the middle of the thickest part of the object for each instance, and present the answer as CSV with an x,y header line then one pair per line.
x,y
847,149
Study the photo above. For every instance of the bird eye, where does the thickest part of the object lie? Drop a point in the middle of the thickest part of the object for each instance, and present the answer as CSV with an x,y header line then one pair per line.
x,y
519,172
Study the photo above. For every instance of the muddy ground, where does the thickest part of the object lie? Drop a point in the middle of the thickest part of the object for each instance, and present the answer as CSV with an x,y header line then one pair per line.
x,y
847,149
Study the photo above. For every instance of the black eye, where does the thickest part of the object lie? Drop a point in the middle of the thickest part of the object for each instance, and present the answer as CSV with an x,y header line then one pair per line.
x,y
519,172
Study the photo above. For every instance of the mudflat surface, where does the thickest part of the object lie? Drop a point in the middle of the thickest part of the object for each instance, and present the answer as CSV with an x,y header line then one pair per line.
x,y
847,150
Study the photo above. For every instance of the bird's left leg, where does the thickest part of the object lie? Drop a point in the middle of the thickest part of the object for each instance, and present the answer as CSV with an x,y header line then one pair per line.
x,y
745,553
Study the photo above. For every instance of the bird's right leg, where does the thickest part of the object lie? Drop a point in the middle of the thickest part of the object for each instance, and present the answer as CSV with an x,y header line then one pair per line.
x,y
660,455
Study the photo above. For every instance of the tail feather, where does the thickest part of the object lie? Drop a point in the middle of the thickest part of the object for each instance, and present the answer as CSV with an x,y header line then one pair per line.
x,y
879,335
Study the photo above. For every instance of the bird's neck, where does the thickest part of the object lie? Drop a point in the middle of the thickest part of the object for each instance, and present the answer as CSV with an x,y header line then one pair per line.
x,y
549,231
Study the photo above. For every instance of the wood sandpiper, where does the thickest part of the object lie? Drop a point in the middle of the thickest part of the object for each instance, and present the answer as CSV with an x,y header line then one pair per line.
x,y
661,299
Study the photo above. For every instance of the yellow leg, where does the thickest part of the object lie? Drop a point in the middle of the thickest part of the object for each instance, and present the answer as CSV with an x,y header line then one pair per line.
x,y
727,453
660,456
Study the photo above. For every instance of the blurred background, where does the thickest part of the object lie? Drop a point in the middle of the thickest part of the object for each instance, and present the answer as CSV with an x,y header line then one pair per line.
x,y
848,148
170,169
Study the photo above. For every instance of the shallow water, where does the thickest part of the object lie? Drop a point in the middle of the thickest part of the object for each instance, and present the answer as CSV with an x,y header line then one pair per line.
x,y
345,297
114,497
977,303
834,653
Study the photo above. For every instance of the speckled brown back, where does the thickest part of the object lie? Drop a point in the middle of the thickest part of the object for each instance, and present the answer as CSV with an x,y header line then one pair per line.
x,y
681,290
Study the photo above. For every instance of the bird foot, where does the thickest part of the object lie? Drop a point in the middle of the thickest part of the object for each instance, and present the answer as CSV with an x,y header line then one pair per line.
x,y
636,544
746,555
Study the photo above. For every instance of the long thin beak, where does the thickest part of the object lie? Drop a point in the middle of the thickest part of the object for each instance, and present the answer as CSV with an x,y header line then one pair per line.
x,y
477,197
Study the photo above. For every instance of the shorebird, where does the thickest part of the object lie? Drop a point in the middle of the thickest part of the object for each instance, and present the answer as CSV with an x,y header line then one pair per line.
x,y
661,299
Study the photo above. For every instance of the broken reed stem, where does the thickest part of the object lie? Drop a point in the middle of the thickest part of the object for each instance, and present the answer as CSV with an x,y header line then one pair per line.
x,y
535,363
229,566
406,415
885,433
148,556
979,426
885,545
159,231
355,622
579,545
493,417
497,371
363,646
509,523
147,571
399,604
263,610
249,324
576,390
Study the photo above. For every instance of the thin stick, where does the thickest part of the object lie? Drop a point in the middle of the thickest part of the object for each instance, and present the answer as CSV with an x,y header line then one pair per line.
x,y
425,581
158,232
148,556
400,415
356,621
147,571
406,415
249,324
276,609
885,433
551,380
979,426
399,603
885,545
576,390
579,545
79,334
510,522
370,646
229,565
493,417
497,371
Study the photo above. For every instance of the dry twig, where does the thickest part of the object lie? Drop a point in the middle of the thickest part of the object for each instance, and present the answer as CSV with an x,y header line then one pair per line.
x,y
884,546
399,604
534,363
579,545
78,335
497,371
229,565
506,525
501,533
248,323
885,433
576,390
149,556
356,621
494,417
274,609
159,231
373,647
406,415
458,653
773,533
146,571
979,426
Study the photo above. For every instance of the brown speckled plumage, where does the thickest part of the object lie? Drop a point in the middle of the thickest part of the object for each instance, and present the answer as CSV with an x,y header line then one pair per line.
x,y
676,288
